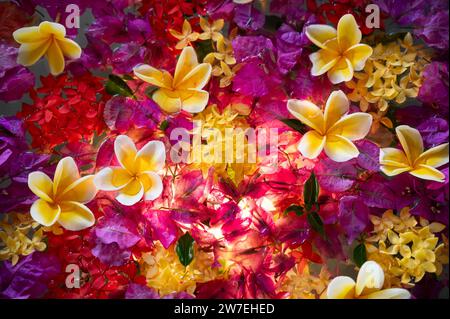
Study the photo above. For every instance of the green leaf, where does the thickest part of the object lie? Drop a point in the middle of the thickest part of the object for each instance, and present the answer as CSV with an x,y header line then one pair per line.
x,y
116,86
164,125
359,255
311,191
295,124
316,223
297,209
185,249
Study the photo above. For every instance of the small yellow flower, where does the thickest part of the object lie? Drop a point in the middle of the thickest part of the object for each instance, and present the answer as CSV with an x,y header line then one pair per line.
x,y
184,90
412,158
186,36
211,31
340,52
332,130
48,39
136,177
369,285
62,200
305,285
225,51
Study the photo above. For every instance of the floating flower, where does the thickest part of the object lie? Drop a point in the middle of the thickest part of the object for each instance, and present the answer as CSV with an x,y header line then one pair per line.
x,y
184,90
62,200
185,37
211,30
136,178
413,158
369,285
48,38
332,130
340,50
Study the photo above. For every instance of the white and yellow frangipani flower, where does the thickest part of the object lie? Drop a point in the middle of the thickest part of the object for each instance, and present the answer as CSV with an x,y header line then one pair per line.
x,y
136,177
413,158
368,285
48,39
332,130
341,52
183,91
62,200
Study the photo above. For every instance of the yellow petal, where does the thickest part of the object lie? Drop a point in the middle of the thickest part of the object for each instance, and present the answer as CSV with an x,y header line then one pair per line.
x,y
125,151
393,157
358,55
30,53
55,58
340,149
112,178
308,113
153,76
322,61
194,101
131,194
348,33
70,48
197,78
151,157
411,141
41,185
311,144
434,157
83,190
341,287
186,62
65,174
392,293
342,71
152,185
29,34
186,29
370,276
354,126
167,100
52,28
336,107
428,173
44,212
75,216
393,170
320,33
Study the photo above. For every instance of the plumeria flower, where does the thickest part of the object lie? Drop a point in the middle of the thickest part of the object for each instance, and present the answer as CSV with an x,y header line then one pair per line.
x,y
211,31
412,158
184,90
136,177
185,37
62,200
369,284
340,52
47,39
332,130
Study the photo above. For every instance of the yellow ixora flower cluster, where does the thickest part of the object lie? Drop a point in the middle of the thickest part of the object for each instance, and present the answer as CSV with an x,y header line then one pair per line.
x,y
165,273
392,73
305,285
19,236
231,155
407,248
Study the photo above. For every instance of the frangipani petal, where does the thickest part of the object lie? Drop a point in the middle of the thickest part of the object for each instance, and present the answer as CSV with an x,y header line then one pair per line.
x,y
44,212
434,157
52,28
393,157
75,216
336,107
82,190
185,64
30,53
151,157
41,185
66,173
320,33
354,126
153,76
342,71
125,151
341,287
411,141
70,48
390,170
348,33
358,55
167,100
153,186
428,173
131,193
323,61
311,144
196,78
392,293
28,35
370,276
112,178
55,58
308,113
340,149
194,101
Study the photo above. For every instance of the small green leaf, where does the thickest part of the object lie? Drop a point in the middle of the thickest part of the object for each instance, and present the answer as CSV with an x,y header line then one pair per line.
x,y
164,125
359,255
295,124
185,249
297,209
117,86
311,191
316,223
